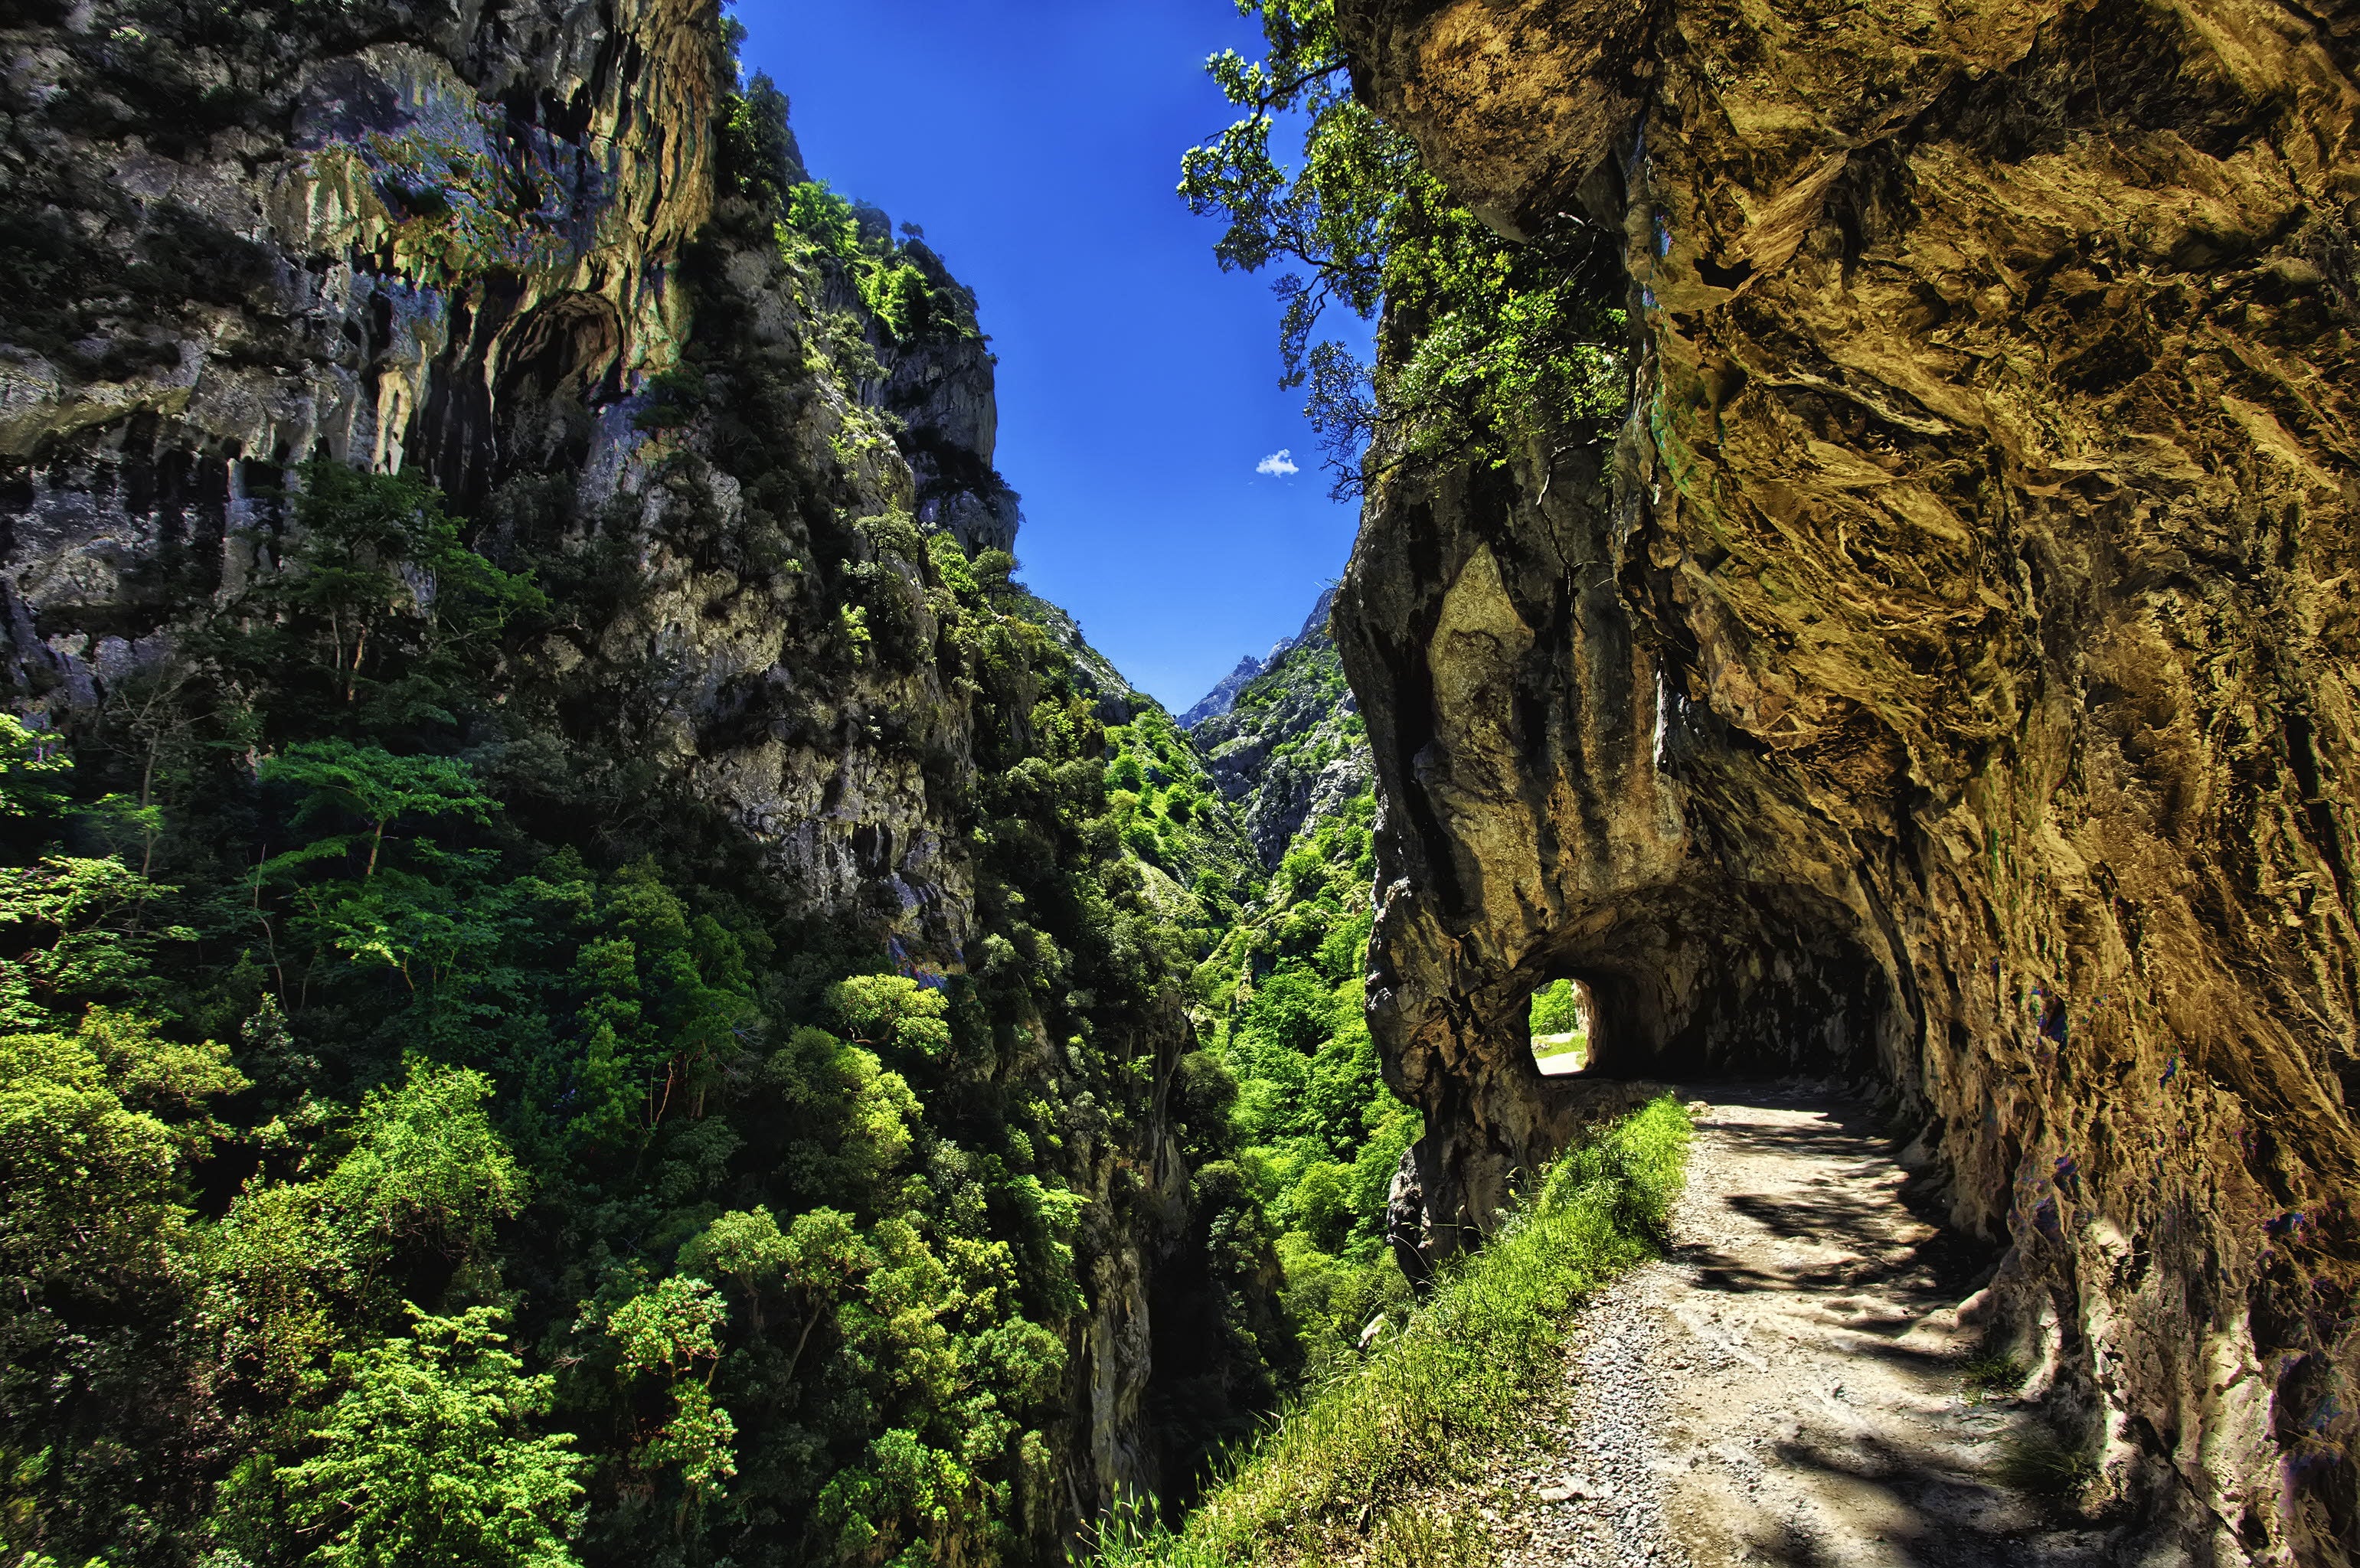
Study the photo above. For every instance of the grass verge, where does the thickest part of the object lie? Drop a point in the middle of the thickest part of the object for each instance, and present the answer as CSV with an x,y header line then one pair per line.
x,y
1329,1482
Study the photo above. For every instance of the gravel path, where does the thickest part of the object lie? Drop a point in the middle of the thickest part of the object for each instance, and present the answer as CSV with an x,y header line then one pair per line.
x,y
1785,1388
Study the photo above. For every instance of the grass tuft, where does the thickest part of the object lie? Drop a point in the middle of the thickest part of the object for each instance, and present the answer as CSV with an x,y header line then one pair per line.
x,y
2039,1463
1412,1537
1326,1484
1993,1372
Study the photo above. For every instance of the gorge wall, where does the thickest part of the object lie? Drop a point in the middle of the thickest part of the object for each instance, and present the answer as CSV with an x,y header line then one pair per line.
x,y
1288,743
1945,679
554,259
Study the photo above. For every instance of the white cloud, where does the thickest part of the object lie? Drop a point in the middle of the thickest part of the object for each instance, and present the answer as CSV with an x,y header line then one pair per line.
x,y
1280,463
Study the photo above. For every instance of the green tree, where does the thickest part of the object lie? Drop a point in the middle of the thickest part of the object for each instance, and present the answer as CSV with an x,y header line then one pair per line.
x,y
1553,1010
370,783
297,1269
1293,1011
665,1336
72,927
33,769
1490,340
377,601
815,1261
98,1129
428,1460
427,1168
892,1011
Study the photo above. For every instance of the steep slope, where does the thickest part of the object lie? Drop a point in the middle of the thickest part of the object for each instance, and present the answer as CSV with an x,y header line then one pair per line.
x,y
1945,676
1288,746
1225,691
507,584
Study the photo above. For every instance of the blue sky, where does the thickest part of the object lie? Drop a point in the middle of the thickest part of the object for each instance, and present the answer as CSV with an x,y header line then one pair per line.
x,y
1037,143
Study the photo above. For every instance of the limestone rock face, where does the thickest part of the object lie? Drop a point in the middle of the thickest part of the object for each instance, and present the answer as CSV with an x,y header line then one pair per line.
x,y
460,252
487,244
941,389
1948,678
1288,746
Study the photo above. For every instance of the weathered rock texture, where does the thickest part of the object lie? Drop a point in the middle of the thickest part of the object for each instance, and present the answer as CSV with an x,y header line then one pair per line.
x,y
1288,746
484,243
1949,676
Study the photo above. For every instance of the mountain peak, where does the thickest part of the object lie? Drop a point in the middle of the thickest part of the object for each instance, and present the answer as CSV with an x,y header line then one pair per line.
x,y
1217,702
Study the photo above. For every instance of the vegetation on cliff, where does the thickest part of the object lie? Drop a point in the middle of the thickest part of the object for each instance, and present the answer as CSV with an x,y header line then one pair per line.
x,y
792,1227
1485,341
1289,747
435,1132
1327,1483
1318,1134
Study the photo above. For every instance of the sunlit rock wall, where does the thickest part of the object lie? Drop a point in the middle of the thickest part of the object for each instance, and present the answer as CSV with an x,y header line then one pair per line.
x,y
1947,678
476,244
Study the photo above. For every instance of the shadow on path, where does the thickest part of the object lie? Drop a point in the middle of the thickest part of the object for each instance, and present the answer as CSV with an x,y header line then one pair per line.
x,y
1804,1402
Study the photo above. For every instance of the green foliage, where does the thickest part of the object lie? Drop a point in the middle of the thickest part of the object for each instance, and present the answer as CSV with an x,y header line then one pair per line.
x,y
370,783
1554,1009
1500,341
1169,814
1993,1371
819,224
426,1165
757,146
32,767
893,1012
1319,1134
794,1228
76,927
378,605
98,1132
1418,1409
669,1337
795,1233
429,1457
824,219
92,1171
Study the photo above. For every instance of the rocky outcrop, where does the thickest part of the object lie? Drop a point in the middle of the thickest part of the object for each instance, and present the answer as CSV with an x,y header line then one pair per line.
x,y
1947,678
940,386
1288,748
497,248
1216,702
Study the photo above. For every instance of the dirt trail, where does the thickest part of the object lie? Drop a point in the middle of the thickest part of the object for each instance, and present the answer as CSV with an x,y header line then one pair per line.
x,y
1785,1387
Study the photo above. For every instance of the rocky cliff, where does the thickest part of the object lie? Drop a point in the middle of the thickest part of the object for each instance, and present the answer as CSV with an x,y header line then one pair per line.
x,y
556,260
1944,679
1225,691
1287,745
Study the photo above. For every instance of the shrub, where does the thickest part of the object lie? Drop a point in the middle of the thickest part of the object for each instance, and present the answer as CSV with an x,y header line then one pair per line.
x,y
1420,1409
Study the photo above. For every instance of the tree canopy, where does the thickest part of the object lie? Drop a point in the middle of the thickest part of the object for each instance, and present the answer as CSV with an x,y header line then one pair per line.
x,y
1487,342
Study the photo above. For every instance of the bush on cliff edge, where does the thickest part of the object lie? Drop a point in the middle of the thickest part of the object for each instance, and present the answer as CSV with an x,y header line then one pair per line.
x,y
1426,1400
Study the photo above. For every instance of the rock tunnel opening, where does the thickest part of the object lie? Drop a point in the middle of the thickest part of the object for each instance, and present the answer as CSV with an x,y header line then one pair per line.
x,y
1558,1022
1710,979
1730,982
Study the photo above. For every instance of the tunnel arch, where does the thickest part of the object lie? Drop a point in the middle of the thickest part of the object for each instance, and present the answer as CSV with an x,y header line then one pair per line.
x,y
1734,981
1698,980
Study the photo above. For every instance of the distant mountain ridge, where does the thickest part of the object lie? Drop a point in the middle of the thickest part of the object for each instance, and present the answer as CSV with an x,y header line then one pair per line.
x,y
1218,700
1287,746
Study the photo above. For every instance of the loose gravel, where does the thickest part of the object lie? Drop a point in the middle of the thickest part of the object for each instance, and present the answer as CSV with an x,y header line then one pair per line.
x,y
1784,1387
